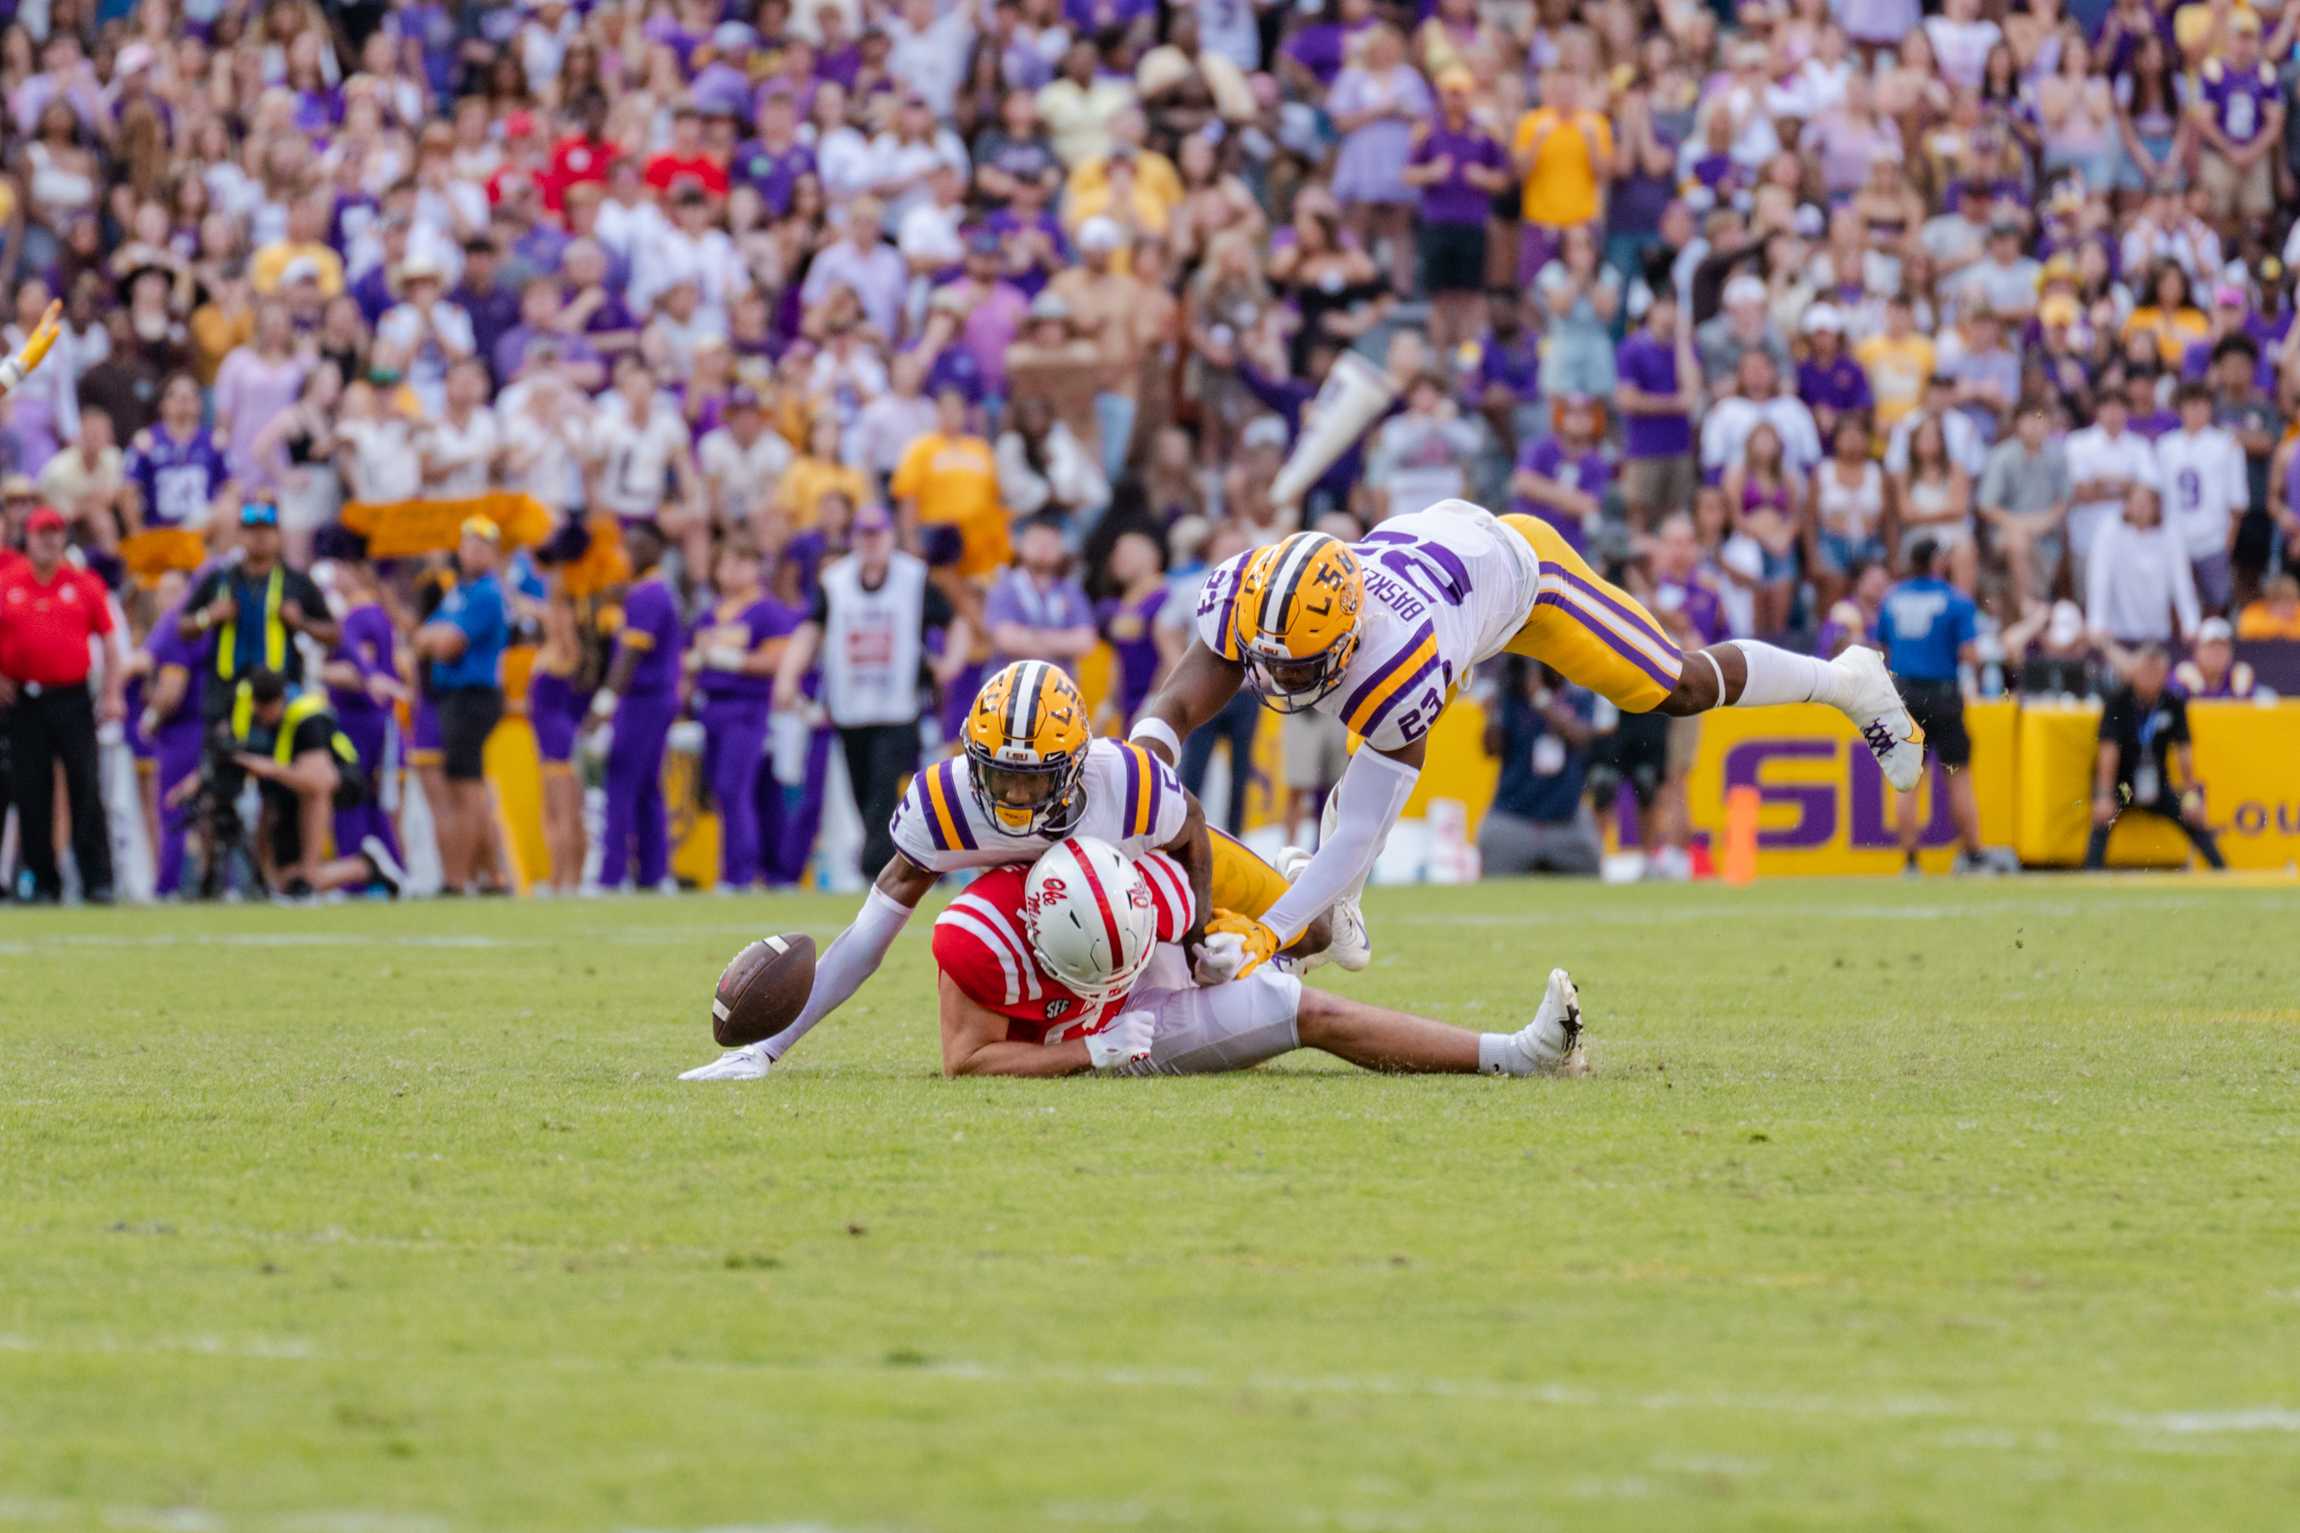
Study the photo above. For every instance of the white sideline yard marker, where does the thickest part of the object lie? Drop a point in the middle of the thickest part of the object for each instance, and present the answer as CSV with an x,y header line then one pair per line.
x,y
298,1349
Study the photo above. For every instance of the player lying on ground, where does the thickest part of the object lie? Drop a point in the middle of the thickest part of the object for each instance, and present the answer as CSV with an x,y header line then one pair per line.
x,y
1032,775
1075,964
1380,634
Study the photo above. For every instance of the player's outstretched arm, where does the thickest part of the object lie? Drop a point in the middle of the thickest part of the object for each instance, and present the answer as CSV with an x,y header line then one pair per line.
x,y
855,954
1369,798
1193,692
974,1042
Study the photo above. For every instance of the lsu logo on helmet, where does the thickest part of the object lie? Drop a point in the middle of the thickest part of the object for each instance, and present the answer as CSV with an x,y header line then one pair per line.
x,y
1026,741
1295,623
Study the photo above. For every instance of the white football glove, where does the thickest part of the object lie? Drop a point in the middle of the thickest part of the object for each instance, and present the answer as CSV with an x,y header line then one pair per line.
x,y
1123,1047
1219,958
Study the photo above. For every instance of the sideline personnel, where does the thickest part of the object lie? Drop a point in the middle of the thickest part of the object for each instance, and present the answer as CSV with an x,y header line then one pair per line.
x,y
49,610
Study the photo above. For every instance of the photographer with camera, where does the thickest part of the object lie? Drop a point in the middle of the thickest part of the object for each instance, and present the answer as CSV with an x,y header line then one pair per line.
x,y
312,784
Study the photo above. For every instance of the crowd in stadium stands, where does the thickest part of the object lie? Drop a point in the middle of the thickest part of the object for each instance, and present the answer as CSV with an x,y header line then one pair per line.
x,y
1754,300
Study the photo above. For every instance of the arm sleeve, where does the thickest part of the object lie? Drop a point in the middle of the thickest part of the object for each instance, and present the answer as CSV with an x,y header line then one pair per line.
x,y
852,957
1372,792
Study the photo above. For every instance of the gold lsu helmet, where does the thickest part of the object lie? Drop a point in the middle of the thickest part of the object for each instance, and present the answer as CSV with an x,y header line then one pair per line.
x,y
1026,741
1295,621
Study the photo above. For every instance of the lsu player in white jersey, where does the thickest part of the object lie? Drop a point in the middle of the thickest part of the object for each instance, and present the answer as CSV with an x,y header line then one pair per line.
x,y
1382,633
1031,775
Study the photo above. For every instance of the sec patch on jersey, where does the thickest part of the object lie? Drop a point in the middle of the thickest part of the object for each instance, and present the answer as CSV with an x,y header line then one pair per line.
x,y
762,990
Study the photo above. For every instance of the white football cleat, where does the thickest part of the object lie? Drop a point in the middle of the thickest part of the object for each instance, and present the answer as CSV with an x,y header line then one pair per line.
x,y
1552,1040
749,1063
1352,945
1882,718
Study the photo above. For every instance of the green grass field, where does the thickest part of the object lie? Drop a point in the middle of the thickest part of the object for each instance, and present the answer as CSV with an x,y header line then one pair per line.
x,y
1960,1206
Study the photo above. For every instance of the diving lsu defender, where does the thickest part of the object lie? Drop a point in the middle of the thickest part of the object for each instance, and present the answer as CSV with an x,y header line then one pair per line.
x,y
1381,633
1032,775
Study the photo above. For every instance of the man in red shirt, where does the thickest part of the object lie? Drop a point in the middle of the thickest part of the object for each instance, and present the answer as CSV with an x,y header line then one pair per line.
x,y
49,611
687,159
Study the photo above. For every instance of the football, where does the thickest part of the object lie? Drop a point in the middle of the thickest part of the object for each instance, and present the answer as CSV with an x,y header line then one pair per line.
x,y
762,989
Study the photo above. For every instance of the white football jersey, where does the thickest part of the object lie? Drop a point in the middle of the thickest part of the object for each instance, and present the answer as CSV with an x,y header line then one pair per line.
x,y
1445,588
1133,801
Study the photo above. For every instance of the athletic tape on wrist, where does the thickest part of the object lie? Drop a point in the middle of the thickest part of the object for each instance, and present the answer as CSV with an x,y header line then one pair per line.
x,y
1151,727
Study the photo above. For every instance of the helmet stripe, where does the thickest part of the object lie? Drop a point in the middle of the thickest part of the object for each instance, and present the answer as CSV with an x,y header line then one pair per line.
x,y
1017,701
1101,901
1277,609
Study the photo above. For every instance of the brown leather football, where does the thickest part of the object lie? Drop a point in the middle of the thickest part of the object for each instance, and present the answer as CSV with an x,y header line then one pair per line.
x,y
763,989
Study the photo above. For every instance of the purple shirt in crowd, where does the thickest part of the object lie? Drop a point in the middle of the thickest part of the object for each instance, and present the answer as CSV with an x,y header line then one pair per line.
x,y
745,627
1513,364
1839,385
1017,598
1650,366
178,479
2240,100
1452,199
651,611
368,644
773,173
1131,629
167,646
1587,472
1694,604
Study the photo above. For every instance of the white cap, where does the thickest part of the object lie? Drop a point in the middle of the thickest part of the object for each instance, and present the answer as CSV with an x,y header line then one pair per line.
x,y
1745,289
1822,316
2066,625
1100,234
2214,630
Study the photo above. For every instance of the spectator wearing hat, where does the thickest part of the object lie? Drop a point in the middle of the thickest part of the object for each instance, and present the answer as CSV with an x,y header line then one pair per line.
x,y
2143,737
1740,327
1564,479
2238,112
50,611
423,335
2212,673
1829,381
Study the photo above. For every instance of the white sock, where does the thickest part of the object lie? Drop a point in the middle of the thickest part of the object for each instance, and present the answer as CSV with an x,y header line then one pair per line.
x,y
1498,1054
1777,676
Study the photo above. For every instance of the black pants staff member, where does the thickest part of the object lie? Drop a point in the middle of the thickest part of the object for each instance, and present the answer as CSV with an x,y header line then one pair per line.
x,y
2144,732
869,625
49,611
253,610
